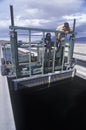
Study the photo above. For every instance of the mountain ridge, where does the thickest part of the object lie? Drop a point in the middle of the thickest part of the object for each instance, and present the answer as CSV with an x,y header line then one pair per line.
x,y
80,39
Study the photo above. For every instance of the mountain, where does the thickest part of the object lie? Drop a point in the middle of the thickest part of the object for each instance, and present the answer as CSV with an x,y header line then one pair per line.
x,y
4,41
77,40
80,40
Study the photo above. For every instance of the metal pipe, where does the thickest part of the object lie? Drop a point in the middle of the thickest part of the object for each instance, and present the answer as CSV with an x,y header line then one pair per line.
x,y
43,53
54,52
12,16
74,25
34,29
30,52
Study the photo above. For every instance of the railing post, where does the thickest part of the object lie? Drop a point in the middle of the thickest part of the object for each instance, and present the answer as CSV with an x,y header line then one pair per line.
x,y
30,52
71,43
53,66
43,52
14,50
12,15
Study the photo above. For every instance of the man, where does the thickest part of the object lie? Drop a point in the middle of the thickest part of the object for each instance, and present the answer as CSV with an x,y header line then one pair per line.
x,y
65,28
60,38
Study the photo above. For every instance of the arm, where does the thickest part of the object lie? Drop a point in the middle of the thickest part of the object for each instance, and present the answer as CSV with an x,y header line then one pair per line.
x,y
60,28
69,31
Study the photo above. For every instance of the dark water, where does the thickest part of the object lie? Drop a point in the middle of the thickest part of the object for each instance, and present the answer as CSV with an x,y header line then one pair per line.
x,y
62,106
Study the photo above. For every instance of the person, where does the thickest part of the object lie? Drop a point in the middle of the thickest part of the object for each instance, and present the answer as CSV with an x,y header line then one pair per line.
x,y
65,28
60,39
48,49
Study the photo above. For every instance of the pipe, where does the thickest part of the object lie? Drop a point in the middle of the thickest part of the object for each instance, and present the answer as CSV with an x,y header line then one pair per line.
x,y
12,15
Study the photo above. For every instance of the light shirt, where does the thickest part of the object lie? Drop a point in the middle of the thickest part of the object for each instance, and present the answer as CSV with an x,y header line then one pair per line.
x,y
62,28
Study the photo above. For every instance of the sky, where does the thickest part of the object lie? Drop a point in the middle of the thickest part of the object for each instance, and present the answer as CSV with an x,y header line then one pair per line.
x,y
43,14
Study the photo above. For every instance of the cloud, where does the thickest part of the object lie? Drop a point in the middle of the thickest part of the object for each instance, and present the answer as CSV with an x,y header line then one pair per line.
x,y
42,9
4,24
43,14
31,22
80,18
49,11
1,1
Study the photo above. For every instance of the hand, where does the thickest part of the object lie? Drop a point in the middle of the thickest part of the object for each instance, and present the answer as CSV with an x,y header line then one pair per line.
x,y
66,32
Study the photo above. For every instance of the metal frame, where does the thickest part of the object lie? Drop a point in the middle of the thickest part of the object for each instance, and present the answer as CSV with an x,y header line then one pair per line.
x,y
14,47
32,82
